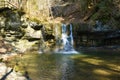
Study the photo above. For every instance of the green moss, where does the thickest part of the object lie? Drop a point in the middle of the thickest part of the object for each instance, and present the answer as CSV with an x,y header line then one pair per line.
x,y
35,20
104,12
95,16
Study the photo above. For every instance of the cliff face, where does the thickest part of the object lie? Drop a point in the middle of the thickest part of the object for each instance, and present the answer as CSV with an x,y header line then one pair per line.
x,y
71,11
24,33
75,11
50,14
86,11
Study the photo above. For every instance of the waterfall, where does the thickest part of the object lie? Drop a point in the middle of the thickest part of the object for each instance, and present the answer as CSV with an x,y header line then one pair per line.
x,y
71,36
67,40
64,35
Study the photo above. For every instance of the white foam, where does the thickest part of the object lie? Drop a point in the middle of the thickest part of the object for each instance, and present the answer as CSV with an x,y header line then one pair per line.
x,y
67,52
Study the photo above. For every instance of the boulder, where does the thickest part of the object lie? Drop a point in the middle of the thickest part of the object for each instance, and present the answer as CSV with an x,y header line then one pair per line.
x,y
3,50
30,32
24,45
4,70
4,46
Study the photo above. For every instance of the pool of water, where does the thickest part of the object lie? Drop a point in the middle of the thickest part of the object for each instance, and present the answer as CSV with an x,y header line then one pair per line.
x,y
87,66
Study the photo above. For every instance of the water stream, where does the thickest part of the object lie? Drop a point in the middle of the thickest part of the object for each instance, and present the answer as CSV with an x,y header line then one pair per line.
x,y
67,40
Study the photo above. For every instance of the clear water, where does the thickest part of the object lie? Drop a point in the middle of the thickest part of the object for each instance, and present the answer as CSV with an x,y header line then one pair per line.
x,y
88,66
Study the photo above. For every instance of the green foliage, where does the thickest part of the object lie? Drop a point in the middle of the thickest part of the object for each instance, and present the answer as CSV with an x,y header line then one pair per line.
x,y
104,12
35,20
95,16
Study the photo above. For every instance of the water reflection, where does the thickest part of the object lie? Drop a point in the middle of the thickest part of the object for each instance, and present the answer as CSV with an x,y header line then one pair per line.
x,y
66,67
51,67
97,66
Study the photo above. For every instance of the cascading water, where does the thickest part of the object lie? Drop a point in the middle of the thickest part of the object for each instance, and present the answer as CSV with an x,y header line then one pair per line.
x,y
71,36
67,41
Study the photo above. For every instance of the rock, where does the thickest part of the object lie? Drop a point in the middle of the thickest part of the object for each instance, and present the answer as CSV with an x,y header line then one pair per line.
x,y
35,25
5,46
30,32
24,45
2,21
3,50
2,69
36,34
10,73
6,57
65,9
